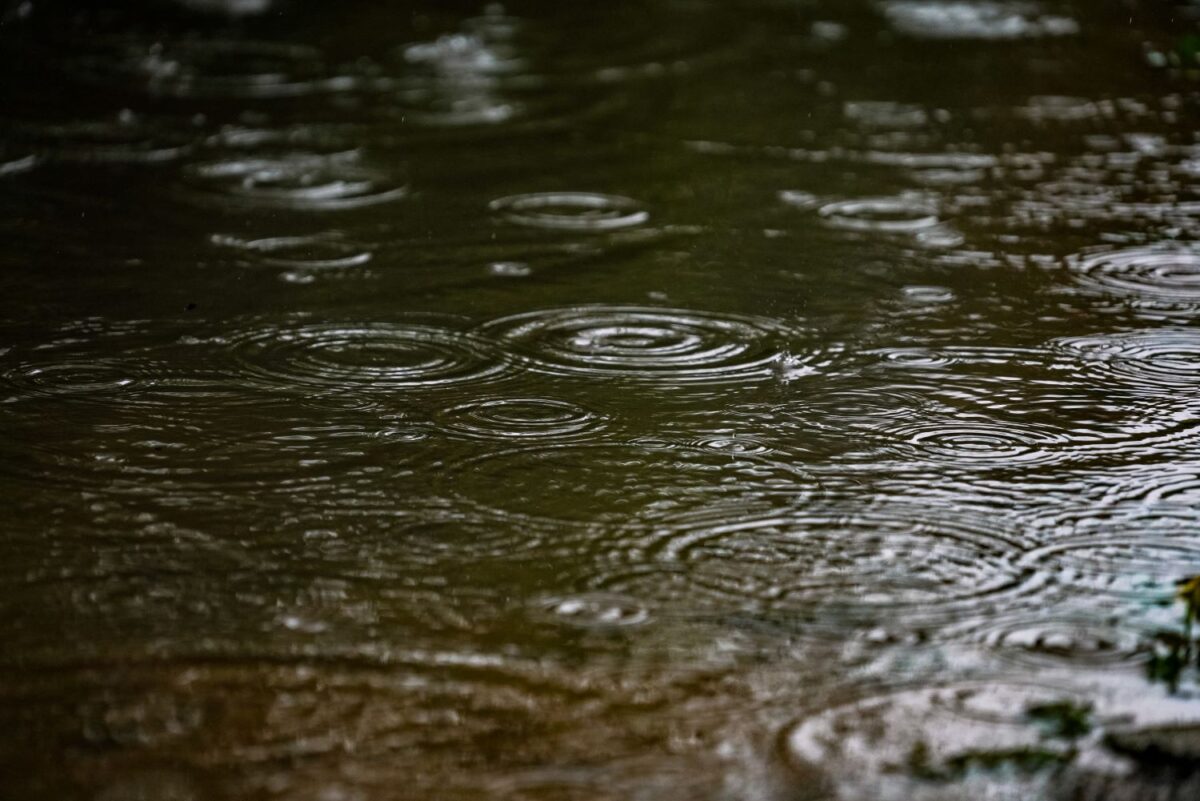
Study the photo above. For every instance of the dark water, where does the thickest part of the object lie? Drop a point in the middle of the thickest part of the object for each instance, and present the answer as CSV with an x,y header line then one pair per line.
x,y
766,400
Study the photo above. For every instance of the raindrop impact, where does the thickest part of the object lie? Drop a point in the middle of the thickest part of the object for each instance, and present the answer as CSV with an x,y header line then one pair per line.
x,y
883,214
298,182
644,343
358,358
570,211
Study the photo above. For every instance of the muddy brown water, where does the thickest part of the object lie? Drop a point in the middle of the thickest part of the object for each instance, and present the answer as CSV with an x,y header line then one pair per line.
x,y
767,400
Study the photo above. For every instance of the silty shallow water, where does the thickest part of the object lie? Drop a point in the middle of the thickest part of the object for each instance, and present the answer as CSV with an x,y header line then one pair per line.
x,y
758,400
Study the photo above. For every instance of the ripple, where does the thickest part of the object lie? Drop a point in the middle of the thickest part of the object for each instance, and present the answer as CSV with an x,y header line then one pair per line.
x,y
499,72
594,610
733,444
1161,487
884,114
523,50
969,442
297,182
938,360
125,139
975,19
486,49
327,251
447,105
215,68
81,378
523,418
570,211
1166,275
599,482
853,565
329,141
884,214
457,79
367,537
510,269
1057,639
1167,357
1060,108
644,343
266,705
928,295
866,407
375,358
161,448
87,361
12,163
1135,565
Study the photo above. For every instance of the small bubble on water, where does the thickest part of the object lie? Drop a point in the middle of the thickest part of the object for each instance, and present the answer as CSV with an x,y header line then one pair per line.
x,y
303,625
928,294
798,199
510,269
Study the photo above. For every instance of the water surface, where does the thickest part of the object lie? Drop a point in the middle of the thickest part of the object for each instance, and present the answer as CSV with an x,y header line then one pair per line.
x,y
758,400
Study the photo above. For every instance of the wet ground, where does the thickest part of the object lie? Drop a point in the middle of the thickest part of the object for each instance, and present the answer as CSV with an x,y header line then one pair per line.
x,y
764,400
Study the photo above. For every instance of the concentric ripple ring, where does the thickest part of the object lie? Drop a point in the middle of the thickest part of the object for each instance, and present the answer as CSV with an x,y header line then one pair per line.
x,y
524,418
1167,357
298,182
379,357
643,343
1163,274
897,559
884,214
570,211
981,443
